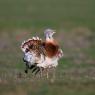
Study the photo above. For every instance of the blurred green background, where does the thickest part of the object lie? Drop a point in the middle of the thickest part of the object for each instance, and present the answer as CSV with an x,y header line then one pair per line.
x,y
74,22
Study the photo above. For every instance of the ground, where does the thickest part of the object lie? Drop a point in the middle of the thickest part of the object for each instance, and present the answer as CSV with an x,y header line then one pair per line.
x,y
74,22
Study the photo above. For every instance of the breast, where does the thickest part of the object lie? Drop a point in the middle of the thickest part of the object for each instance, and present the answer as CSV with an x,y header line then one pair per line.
x,y
51,49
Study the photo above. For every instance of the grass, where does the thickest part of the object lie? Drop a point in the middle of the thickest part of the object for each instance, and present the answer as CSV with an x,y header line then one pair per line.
x,y
42,13
74,21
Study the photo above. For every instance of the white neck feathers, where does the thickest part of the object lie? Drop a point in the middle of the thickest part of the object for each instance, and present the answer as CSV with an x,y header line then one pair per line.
x,y
49,39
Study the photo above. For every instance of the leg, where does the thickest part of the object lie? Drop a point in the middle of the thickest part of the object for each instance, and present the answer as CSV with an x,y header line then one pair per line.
x,y
41,71
26,70
54,70
47,73
53,74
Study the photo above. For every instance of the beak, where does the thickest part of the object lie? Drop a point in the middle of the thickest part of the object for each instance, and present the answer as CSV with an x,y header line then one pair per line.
x,y
54,32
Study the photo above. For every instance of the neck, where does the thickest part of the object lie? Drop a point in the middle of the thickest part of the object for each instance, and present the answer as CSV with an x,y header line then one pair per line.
x,y
49,39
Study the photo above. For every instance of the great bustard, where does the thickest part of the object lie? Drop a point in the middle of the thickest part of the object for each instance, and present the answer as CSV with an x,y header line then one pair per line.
x,y
40,54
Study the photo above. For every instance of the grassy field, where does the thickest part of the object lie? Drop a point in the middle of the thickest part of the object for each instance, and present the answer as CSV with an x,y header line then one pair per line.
x,y
74,22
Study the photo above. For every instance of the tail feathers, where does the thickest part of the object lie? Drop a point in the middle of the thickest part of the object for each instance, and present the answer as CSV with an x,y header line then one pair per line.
x,y
30,42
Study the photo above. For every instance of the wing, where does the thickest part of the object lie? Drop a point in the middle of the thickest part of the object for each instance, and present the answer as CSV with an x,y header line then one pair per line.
x,y
34,45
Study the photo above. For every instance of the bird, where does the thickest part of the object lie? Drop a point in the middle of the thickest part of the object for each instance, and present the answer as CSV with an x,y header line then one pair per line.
x,y
52,50
40,54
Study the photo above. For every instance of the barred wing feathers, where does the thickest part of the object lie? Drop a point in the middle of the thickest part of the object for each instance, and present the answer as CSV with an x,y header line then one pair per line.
x,y
32,45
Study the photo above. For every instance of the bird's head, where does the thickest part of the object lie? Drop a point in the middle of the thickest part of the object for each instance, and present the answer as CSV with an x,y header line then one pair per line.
x,y
49,33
